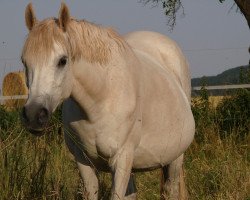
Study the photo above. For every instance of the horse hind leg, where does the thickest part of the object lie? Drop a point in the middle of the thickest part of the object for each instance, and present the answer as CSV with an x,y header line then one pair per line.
x,y
173,185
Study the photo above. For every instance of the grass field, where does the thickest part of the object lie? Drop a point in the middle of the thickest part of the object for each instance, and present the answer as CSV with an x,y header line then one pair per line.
x,y
216,167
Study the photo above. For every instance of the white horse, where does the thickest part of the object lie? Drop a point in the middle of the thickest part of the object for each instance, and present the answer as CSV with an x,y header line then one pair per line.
x,y
126,99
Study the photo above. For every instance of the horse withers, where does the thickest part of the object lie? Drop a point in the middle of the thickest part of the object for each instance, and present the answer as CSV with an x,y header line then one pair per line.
x,y
126,99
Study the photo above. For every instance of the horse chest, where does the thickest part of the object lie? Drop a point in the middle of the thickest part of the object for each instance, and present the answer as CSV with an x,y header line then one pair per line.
x,y
100,140
97,143
79,137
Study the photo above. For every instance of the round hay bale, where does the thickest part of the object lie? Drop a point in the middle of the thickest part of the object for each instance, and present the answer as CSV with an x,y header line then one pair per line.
x,y
14,84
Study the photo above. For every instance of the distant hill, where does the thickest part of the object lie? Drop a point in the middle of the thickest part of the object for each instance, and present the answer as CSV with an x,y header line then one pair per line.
x,y
235,75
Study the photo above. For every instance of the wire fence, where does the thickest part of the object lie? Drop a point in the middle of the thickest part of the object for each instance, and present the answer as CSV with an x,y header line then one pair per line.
x,y
222,87
217,87
16,97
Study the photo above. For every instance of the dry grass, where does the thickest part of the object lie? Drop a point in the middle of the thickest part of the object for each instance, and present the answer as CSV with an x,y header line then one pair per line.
x,y
214,100
218,169
42,168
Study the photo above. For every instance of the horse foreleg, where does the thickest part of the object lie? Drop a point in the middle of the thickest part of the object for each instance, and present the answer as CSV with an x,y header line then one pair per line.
x,y
173,185
90,181
121,165
131,189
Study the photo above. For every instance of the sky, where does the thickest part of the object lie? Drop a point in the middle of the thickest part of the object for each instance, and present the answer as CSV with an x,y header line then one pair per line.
x,y
213,36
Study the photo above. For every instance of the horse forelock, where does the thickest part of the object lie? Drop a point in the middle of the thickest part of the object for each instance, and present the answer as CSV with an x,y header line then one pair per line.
x,y
40,42
82,40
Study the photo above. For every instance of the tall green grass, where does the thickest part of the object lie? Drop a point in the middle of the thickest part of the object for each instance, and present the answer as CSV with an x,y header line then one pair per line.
x,y
35,168
216,164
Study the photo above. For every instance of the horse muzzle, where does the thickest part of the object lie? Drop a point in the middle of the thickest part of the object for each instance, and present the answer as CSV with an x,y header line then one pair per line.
x,y
35,118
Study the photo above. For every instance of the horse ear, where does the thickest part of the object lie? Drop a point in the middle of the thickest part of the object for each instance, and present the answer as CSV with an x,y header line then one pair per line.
x,y
30,17
64,16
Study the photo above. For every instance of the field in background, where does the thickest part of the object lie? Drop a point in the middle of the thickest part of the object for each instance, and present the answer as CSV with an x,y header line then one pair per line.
x,y
214,100
216,164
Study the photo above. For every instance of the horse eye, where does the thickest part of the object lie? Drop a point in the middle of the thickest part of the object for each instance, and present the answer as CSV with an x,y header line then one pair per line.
x,y
62,62
26,76
26,73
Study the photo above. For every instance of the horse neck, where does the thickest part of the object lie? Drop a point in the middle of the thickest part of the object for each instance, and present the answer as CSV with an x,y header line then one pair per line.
x,y
89,86
94,84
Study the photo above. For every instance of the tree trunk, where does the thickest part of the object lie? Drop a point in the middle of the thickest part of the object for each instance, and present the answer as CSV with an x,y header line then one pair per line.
x,y
244,6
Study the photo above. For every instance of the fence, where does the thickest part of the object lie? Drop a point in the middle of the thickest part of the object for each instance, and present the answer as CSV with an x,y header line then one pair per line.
x,y
216,87
16,97
222,87
219,90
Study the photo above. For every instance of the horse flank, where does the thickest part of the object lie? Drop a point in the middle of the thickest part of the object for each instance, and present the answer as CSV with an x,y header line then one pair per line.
x,y
91,42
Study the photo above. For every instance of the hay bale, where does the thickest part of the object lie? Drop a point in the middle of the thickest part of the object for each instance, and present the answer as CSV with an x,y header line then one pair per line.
x,y
14,84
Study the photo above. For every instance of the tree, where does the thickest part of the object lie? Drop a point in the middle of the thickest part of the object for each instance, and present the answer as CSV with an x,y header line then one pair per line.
x,y
244,6
171,7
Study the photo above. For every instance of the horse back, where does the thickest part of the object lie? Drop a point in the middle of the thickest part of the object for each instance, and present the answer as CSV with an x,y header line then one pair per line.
x,y
166,52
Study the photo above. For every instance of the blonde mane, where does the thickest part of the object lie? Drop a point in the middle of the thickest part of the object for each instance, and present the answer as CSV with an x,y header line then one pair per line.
x,y
81,40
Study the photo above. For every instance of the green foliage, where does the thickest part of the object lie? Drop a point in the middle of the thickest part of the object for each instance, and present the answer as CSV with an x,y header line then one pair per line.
x,y
7,122
7,119
217,163
203,114
31,167
234,114
170,7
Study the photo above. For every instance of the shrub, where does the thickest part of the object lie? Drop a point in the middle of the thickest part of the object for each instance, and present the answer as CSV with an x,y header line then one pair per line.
x,y
204,115
234,114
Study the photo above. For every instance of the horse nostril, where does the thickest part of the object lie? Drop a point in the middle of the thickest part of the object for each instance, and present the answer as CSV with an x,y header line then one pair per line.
x,y
43,116
24,115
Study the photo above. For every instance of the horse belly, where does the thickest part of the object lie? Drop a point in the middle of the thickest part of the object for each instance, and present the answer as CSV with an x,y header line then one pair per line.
x,y
167,122
163,145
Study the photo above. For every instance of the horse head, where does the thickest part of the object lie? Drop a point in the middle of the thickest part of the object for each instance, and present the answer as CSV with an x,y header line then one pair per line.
x,y
47,64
